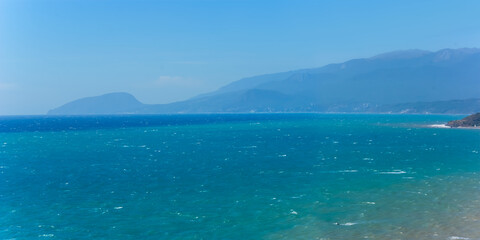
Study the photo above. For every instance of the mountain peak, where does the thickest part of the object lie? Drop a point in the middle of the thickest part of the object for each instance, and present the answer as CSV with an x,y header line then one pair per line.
x,y
401,54
447,53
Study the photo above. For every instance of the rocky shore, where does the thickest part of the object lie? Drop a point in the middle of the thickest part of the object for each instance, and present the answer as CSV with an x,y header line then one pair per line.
x,y
472,121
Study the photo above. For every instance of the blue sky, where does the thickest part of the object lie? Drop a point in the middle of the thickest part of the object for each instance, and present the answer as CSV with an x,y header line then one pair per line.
x,y
52,52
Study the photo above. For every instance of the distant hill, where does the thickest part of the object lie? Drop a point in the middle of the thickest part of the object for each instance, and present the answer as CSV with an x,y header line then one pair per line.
x,y
112,103
412,81
392,78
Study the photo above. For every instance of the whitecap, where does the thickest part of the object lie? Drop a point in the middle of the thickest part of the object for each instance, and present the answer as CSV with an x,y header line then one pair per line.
x,y
46,235
341,171
346,224
438,126
299,196
393,172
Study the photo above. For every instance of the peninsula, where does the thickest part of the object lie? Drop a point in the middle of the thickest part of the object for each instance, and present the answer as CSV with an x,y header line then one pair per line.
x,y
472,121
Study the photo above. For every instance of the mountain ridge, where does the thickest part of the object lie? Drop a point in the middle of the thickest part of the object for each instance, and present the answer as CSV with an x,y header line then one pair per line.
x,y
414,77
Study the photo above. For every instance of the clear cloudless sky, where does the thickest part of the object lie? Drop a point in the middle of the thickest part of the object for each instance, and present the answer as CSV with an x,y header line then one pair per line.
x,y
52,52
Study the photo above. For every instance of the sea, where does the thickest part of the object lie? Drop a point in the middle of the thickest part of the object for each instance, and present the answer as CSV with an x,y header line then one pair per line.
x,y
238,176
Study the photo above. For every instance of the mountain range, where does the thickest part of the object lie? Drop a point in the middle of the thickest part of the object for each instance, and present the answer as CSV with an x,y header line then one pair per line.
x,y
412,81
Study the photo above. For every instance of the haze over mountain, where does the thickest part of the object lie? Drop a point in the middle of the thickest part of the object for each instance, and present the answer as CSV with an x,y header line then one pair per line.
x,y
112,103
412,81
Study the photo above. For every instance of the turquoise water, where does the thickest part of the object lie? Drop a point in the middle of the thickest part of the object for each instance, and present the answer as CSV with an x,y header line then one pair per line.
x,y
247,176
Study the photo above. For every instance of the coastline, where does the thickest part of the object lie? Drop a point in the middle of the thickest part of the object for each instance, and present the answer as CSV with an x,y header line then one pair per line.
x,y
445,126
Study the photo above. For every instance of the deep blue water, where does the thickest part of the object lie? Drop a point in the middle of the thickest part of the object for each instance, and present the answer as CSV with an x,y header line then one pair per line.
x,y
238,176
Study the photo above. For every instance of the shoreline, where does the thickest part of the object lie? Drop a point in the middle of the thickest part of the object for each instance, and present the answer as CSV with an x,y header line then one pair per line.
x,y
445,126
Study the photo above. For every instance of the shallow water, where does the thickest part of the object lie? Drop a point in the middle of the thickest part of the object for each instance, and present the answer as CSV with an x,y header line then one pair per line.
x,y
238,176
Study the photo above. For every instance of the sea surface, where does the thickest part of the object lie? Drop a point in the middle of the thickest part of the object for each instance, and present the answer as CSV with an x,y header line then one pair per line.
x,y
238,176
